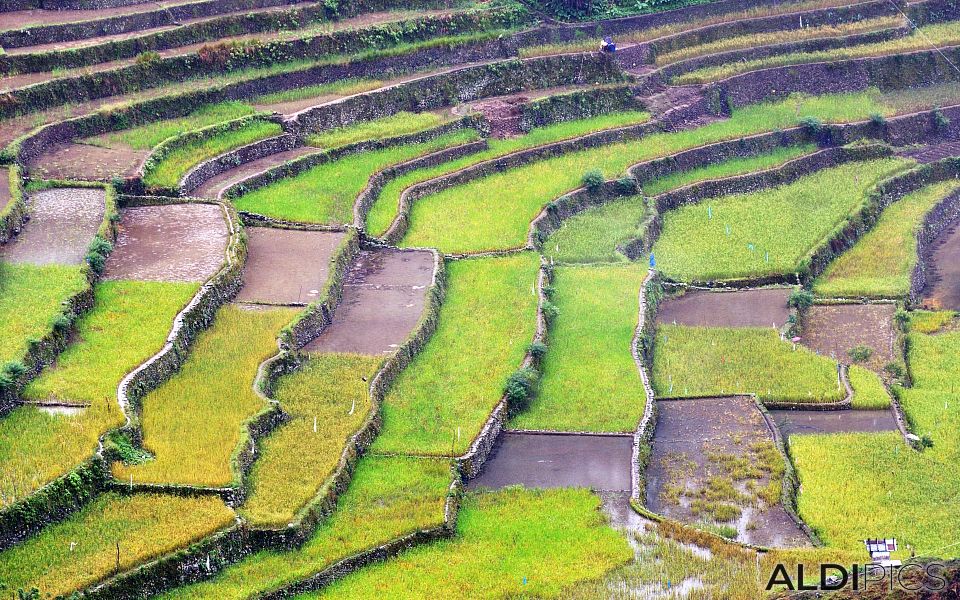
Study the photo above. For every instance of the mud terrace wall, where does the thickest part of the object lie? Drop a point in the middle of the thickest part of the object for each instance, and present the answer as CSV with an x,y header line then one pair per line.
x,y
641,347
207,170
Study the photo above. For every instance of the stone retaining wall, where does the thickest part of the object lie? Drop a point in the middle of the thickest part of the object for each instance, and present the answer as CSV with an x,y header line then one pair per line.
x,y
940,218
209,169
12,216
641,348
581,104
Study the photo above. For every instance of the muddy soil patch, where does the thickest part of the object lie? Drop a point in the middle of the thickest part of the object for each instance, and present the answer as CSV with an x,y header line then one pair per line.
x,y
177,242
4,188
745,308
713,461
383,299
933,152
213,186
534,460
835,330
286,266
793,422
943,280
63,221
86,162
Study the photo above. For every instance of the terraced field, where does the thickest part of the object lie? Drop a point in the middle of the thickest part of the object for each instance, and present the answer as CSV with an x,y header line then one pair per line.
x,y
456,299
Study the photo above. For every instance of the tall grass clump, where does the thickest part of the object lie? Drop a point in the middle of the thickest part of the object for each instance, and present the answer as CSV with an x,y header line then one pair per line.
x,y
82,550
192,423
708,361
882,261
401,123
513,542
326,193
388,497
769,232
590,381
327,401
441,401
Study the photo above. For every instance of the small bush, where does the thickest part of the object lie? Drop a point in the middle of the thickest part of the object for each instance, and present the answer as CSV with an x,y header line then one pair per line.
x,y
878,120
627,185
940,120
593,179
902,319
894,369
148,57
520,387
801,299
550,311
860,354
537,350
812,125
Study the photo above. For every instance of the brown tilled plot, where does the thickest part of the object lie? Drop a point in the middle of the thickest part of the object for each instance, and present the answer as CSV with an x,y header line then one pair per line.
x,y
383,299
711,461
286,266
834,330
86,162
746,308
943,281
178,242
63,222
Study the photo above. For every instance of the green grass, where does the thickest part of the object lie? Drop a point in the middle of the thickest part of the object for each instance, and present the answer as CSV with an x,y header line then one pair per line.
x,y
384,210
868,390
440,402
192,423
388,497
146,137
590,381
327,401
930,321
401,123
30,300
326,193
933,403
596,234
82,550
939,35
697,361
549,538
129,322
881,263
168,172
497,210
768,232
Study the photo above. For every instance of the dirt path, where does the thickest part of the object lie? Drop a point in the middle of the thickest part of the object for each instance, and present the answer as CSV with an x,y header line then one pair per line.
x,y
177,242
795,422
746,308
285,266
383,299
599,462
834,330
62,223
214,186
943,281
692,476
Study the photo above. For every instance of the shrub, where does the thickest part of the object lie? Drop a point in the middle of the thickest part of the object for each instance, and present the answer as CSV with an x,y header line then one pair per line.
x,y
812,125
878,120
894,369
550,311
148,57
801,299
593,179
537,350
627,185
940,120
860,354
521,387
902,319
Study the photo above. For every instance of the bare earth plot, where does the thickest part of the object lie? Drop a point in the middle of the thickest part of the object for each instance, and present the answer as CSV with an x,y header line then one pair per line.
x,y
383,298
835,330
943,281
178,242
695,447
795,422
286,266
62,223
748,308
86,162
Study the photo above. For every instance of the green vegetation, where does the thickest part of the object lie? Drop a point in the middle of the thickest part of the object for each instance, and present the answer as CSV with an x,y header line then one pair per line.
x,y
170,169
388,497
326,193
596,234
31,298
82,550
938,35
440,402
192,423
868,390
768,232
327,401
549,539
881,263
927,321
343,87
699,361
497,210
384,210
401,123
590,381
146,137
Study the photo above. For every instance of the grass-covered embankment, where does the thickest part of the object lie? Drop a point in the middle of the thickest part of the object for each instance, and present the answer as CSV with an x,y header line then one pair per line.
x,y
192,423
327,400
590,381
440,402
146,137
401,123
882,261
87,547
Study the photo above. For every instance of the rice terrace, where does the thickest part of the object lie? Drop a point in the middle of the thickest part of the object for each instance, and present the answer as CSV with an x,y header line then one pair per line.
x,y
482,299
